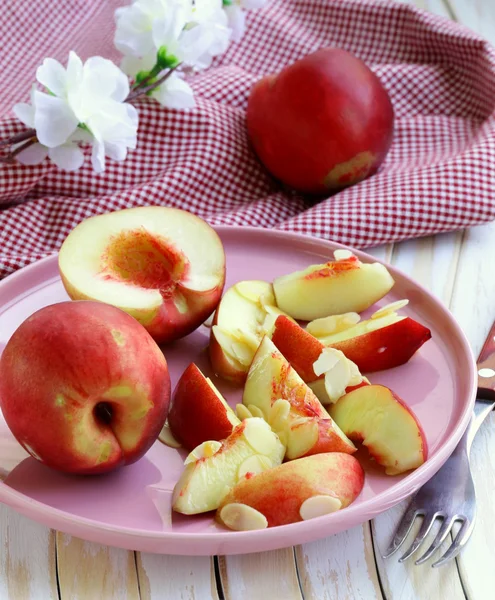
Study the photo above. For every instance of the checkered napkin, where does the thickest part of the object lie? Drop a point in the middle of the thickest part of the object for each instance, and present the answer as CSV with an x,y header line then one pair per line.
x,y
438,176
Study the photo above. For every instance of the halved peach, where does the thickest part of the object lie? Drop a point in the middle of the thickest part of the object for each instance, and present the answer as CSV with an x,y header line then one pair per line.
x,y
342,285
246,312
384,341
163,266
377,417
198,411
328,372
214,467
307,427
294,491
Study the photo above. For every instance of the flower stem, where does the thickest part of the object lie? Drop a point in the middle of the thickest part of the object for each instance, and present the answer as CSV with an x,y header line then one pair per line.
x,y
20,137
140,91
11,155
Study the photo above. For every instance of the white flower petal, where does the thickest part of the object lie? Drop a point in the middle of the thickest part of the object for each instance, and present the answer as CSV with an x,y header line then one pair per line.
x,y
52,75
74,70
103,78
33,155
68,157
206,10
175,93
81,135
98,156
237,21
25,113
133,30
115,151
131,65
54,120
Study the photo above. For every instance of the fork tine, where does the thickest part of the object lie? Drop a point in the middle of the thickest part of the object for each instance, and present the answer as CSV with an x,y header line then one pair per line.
x,y
443,532
426,525
402,530
458,544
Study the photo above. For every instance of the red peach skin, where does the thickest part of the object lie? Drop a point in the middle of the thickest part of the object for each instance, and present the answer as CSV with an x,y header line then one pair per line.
x,y
385,348
322,123
279,493
196,413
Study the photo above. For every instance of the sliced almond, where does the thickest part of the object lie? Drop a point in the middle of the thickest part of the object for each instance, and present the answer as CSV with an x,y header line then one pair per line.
x,y
167,438
225,339
204,450
283,436
336,380
267,299
241,517
254,464
355,376
255,411
242,353
333,324
279,415
327,360
242,412
389,309
249,338
342,254
259,436
317,506
253,290
268,325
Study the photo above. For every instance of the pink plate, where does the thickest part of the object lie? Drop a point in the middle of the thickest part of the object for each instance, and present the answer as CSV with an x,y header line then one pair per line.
x,y
118,509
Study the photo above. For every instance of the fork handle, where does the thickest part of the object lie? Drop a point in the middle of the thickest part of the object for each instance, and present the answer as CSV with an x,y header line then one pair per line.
x,y
485,398
486,368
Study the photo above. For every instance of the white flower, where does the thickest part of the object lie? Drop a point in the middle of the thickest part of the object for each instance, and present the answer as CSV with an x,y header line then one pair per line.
x,y
191,33
67,156
207,35
146,25
84,103
236,15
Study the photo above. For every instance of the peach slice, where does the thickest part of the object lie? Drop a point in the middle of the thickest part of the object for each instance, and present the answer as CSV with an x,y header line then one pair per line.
x,y
213,468
294,491
384,341
336,287
377,417
328,372
198,411
246,312
307,428
163,266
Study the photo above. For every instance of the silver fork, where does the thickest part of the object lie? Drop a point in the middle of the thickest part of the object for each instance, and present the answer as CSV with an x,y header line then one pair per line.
x,y
449,496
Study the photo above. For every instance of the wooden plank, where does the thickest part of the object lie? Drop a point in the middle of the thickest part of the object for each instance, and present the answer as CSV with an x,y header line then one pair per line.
x,y
87,570
478,15
270,575
473,304
339,567
27,558
431,262
176,577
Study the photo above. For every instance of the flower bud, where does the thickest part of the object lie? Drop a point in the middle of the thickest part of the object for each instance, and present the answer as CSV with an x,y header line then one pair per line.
x,y
166,60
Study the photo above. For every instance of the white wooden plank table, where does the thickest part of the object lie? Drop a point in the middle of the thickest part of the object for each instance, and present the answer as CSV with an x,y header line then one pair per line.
x,y
38,563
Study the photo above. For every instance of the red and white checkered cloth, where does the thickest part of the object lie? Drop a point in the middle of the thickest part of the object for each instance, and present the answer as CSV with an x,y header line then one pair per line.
x,y
439,175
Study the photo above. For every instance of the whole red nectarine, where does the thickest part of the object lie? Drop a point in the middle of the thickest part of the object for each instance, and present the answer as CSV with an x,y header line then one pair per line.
x,y
83,387
322,123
